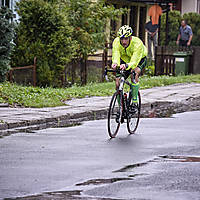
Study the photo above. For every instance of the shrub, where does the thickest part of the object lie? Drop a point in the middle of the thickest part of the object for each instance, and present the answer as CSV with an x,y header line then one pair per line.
x,y
43,32
88,19
58,31
6,36
174,25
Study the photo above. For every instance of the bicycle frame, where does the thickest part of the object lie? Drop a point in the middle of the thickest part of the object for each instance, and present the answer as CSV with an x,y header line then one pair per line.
x,y
126,110
122,81
125,101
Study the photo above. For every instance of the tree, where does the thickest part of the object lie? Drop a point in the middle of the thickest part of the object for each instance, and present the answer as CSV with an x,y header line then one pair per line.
x,y
174,24
58,31
43,32
88,19
6,36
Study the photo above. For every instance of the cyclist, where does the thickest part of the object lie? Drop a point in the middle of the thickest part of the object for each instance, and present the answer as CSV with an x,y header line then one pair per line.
x,y
129,53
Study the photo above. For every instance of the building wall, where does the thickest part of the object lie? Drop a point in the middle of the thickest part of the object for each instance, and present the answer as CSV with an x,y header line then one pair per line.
x,y
136,17
188,6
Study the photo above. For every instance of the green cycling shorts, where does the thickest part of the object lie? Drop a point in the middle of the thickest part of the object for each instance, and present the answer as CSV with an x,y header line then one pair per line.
x,y
142,64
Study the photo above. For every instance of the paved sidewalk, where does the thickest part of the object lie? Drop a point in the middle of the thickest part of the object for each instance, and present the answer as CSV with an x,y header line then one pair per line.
x,y
77,110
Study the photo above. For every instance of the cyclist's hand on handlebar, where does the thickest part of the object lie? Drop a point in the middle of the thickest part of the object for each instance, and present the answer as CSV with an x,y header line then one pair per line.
x,y
114,66
123,66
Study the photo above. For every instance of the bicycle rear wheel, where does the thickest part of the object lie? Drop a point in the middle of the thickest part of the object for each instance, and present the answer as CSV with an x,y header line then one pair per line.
x,y
114,115
133,115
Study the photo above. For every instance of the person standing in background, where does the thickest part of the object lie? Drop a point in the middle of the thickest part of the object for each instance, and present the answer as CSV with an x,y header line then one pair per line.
x,y
151,37
151,27
155,12
185,35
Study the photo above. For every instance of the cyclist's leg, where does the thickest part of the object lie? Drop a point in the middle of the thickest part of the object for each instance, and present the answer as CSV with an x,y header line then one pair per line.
x,y
117,82
142,64
135,82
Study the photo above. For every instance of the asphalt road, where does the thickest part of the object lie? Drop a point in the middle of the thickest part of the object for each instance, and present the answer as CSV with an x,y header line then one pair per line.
x,y
161,161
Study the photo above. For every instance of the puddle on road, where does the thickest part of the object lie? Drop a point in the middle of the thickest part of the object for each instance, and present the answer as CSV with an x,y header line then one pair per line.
x,y
181,158
136,175
77,194
102,181
73,195
166,158
130,167
50,195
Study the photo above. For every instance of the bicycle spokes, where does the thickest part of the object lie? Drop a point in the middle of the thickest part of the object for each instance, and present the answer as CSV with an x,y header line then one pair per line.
x,y
114,116
133,115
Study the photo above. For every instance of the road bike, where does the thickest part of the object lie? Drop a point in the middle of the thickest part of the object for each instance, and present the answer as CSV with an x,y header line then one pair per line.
x,y
122,108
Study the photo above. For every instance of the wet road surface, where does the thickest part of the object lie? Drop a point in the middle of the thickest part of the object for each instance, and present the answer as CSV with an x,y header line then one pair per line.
x,y
161,161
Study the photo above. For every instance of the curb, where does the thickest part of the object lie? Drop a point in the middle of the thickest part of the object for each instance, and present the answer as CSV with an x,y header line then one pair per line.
x,y
7,129
149,110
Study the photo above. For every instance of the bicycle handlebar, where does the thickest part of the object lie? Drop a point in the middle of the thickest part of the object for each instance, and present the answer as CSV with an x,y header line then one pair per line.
x,y
109,70
112,70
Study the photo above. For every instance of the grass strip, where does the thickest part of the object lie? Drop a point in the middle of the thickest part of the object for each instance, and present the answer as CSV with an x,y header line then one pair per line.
x,y
28,96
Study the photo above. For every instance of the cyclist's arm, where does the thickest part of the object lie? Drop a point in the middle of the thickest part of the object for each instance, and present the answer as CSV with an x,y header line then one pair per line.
x,y
138,54
116,52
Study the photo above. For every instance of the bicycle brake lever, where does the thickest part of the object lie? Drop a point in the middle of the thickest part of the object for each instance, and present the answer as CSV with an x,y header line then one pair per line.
x,y
106,77
105,74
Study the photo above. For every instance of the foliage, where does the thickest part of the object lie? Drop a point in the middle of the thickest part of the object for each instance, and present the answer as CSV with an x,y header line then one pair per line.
x,y
193,19
149,70
6,36
89,18
174,21
45,33
58,31
44,97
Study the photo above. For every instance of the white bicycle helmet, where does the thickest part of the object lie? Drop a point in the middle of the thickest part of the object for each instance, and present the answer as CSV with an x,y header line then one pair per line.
x,y
125,31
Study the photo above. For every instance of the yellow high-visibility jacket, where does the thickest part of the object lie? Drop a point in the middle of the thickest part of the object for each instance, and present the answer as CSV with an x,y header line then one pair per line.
x,y
130,55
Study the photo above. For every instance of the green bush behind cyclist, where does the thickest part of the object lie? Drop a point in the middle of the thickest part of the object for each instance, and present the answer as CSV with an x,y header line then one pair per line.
x,y
129,53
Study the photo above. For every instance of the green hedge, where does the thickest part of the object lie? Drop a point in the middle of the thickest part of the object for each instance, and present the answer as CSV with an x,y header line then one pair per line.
x,y
193,20
56,32
45,33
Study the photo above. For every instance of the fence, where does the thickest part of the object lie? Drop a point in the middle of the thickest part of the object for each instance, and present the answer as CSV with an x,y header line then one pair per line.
x,y
92,69
83,71
165,59
23,75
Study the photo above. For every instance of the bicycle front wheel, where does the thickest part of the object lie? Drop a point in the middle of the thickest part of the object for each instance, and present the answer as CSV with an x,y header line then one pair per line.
x,y
133,115
114,115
